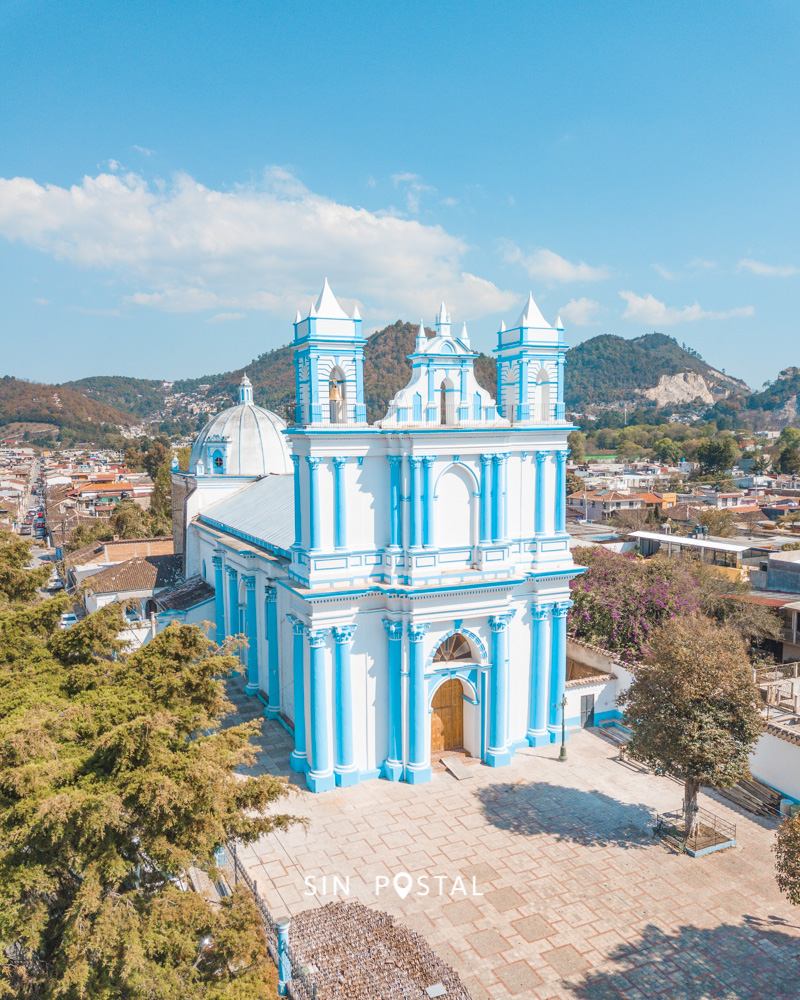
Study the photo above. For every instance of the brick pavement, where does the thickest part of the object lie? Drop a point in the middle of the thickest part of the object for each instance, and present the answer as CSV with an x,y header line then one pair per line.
x,y
576,898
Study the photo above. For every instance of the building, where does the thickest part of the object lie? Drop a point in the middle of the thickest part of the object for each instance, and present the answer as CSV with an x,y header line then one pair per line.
x,y
403,586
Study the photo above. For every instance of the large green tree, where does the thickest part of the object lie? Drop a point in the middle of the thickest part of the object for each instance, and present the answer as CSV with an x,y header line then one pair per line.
x,y
115,777
18,584
718,454
693,708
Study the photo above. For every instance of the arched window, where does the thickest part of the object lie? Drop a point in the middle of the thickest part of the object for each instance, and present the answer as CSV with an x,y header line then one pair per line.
x,y
454,647
447,402
337,396
543,400
218,462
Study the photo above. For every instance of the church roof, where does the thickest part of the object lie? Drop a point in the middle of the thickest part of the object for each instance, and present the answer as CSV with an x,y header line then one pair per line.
x,y
262,513
327,306
255,443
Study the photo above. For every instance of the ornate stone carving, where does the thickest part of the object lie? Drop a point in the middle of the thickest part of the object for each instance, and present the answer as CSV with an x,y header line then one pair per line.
x,y
417,631
343,633
393,629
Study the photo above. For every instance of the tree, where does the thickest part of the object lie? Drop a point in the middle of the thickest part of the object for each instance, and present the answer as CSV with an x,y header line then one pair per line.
x,y
668,451
18,584
787,863
789,438
161,500
577,447
789,461
718,454
129,520
115,777
574,484
693,708
720,523
627,450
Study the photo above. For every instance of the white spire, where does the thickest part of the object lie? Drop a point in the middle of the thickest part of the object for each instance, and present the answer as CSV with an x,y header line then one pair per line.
x,y
530,315
443,322
464,334
559,325
502,326
245,390
356,313
298,318
311,310
421,336
328,306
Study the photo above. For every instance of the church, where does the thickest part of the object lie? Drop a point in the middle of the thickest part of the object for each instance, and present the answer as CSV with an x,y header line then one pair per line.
x,y
403,586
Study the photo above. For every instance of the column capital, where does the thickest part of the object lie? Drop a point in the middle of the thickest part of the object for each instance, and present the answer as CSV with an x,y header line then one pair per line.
x,y
249,582
393,629
541,456
316,636
232,573
428,460
296,460
395,460
313,462
339,461
500,456
343,633
271,594
417,631
562,454
561,609
414,461
216,562
297,626
486,460
541,612
498,623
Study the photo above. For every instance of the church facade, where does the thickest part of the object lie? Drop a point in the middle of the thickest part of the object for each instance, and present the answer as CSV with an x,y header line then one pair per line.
x,y
403,586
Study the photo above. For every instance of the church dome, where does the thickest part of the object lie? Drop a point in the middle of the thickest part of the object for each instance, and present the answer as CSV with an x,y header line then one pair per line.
x,y
244,440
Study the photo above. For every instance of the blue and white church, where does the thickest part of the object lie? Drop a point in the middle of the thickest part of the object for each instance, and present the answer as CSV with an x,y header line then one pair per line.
x,y
403,586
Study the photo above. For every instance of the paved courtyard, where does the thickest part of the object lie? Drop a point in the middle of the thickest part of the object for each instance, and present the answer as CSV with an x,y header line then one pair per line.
x,y
576,899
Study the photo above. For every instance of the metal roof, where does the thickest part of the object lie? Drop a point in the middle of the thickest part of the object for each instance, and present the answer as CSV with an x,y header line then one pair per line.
x,y
698,543
262,513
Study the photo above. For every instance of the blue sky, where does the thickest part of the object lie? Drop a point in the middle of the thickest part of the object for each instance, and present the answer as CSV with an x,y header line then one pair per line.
x,y
177,178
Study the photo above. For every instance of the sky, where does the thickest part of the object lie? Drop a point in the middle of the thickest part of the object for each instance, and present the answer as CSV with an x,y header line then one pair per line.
x,y
177,178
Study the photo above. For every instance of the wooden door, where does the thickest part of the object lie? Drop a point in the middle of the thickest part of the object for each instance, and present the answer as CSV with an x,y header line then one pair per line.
x,y
587,710
447,720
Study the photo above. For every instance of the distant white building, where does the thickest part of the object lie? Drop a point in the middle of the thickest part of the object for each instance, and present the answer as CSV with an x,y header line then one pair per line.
x,y
403,586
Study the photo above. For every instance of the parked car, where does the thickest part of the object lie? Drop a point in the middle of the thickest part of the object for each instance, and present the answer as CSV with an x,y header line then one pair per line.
x,y
67,620
56,583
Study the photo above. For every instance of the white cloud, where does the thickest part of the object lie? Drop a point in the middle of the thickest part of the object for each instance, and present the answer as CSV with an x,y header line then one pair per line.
x,y
768,270
226,317
581,312
414,187
183,247
545,265
665,272
42,302
93,312
648,310
701,264
144,150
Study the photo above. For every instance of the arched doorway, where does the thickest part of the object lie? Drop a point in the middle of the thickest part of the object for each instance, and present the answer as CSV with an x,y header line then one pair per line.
x,y
447,719
337,396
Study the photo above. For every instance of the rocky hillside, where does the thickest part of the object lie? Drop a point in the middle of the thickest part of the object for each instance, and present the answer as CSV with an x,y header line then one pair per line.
x,y
38,409
609,371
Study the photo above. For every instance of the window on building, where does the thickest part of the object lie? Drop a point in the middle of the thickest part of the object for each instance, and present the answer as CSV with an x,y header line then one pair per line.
x,y
455,647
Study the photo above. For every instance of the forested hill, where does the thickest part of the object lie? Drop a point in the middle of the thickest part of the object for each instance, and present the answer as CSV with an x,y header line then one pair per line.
x,y
56,405
609,370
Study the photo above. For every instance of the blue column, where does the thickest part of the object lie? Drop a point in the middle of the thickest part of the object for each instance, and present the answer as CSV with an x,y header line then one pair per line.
x,y
537,734
233,601
558,668
499,496
299,756
345,770
395,521
320,774
498,752
251,624
427,515
541,458
393,765
273,668
219,598
486,507
416,502
340,528
419,768
284,963
561,492
298,499
313,501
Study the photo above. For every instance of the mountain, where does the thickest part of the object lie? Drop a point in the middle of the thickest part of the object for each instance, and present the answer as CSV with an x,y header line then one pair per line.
x,y
609,371
56,409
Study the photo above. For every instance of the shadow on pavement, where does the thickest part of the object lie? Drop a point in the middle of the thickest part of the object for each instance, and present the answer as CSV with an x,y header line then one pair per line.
x,y
587,818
